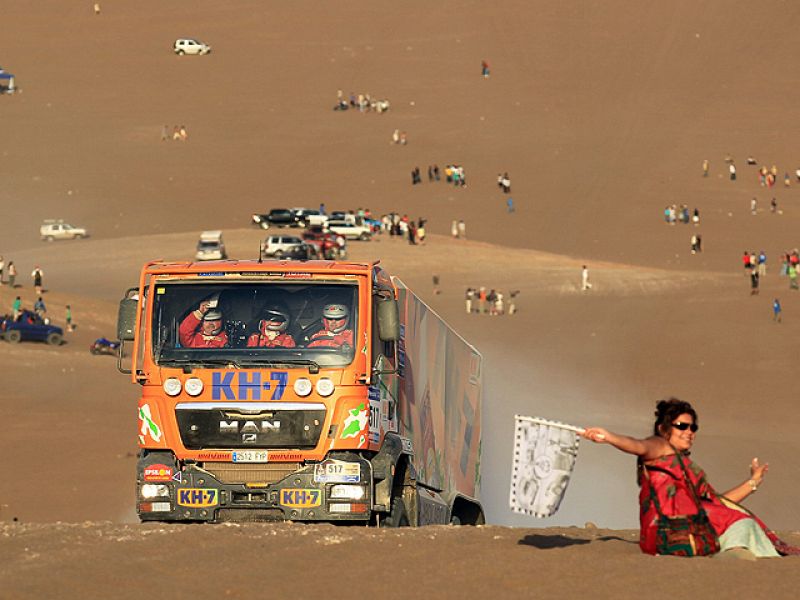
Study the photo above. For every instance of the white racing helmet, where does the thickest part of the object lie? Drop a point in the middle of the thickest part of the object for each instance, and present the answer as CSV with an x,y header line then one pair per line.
x,y
274,319
335,316
214,314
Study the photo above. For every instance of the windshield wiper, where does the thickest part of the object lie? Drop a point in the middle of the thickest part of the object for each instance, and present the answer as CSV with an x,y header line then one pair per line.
x,y
313,367
200,362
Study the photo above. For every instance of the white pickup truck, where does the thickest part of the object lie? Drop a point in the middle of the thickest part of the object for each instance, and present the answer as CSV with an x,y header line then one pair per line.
x,y
58,230
350,230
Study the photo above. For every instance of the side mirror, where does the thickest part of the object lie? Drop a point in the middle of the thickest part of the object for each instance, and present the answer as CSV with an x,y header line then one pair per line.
x,y
126,319
388,320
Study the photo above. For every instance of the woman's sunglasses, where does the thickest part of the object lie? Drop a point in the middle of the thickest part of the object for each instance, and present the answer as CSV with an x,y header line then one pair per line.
x,y
684,426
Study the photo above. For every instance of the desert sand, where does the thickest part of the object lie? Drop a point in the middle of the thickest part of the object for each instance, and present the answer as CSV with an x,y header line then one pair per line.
x,y
602,114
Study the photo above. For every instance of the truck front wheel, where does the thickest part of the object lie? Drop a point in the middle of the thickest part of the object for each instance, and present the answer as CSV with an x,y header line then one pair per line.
x,y
13,336
398,517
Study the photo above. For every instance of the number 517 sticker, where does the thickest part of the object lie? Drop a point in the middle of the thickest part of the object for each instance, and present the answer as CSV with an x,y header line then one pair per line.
x,y
337,471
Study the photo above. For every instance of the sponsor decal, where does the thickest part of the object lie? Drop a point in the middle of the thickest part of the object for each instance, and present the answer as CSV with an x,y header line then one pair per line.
x,y
198,497
355,422
158,473
304,498
337,471
285,456
244,385
213,455
149,426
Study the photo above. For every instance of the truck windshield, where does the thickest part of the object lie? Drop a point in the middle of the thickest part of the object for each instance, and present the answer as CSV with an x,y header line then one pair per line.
x,y
251,324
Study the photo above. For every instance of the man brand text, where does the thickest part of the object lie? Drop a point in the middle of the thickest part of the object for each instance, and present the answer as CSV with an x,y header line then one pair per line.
x,y
235,427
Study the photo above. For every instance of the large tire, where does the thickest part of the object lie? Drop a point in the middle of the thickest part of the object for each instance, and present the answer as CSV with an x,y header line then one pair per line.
x,y
49,238
364,237
278,254
13,336
78,236
54,339
181,53
398,516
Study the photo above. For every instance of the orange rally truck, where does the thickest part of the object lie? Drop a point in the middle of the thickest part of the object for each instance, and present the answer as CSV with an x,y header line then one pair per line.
x,y
306,391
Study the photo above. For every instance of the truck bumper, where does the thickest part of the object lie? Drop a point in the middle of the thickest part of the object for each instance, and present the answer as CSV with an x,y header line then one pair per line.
x,y
194,494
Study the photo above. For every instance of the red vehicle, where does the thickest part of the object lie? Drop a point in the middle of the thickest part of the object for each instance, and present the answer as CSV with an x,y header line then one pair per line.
x,y
325,244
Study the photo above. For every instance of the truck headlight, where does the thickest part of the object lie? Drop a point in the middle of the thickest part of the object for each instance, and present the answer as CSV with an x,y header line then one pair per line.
x,y
193,386
347,492
172,386
302,386
154,490
325,387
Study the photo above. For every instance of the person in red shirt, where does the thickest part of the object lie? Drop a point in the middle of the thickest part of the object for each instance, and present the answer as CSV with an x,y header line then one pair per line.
x,y
336,333
202,328
272,330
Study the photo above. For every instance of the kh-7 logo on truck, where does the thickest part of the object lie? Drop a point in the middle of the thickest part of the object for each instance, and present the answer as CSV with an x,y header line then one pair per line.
x,y
248,385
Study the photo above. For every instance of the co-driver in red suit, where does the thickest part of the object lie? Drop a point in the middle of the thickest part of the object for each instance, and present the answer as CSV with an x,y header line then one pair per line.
x,y
335,318
202,328
272,330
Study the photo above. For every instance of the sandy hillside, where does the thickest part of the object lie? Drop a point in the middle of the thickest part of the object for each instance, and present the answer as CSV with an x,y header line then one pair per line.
x,y
601,113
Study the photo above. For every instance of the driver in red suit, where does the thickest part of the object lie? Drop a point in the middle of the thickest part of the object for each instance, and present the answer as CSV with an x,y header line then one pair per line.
x,y
336,333
272,330
202,328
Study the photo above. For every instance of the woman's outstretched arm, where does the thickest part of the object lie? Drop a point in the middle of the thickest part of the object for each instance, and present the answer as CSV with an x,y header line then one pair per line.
x,y
651,447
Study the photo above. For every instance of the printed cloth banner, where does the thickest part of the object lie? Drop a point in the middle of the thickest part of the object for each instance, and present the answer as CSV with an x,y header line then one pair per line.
x,y
544,456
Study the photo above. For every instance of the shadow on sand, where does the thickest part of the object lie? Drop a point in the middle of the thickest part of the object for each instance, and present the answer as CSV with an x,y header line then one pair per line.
x,y
547,542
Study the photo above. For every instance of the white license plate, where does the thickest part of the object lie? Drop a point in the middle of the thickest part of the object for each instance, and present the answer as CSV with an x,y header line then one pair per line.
x,y
250,456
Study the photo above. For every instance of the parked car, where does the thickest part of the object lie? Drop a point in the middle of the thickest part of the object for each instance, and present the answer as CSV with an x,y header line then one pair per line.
x,y
308,217
279,217
53,229
190,46
349,230
30,326
280,246
211,246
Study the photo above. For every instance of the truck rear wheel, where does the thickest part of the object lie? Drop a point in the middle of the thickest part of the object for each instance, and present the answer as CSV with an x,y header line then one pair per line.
x,y
54,339
13,336
49,238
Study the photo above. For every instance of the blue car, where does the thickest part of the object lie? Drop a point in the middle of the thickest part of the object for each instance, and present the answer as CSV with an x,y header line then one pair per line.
x,y
30,326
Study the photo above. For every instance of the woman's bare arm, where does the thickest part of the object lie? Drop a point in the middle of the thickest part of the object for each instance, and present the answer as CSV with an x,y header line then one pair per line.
x,y
648,448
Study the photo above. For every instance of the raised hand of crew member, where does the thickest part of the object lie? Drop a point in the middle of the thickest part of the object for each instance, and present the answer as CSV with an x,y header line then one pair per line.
x,y
758,471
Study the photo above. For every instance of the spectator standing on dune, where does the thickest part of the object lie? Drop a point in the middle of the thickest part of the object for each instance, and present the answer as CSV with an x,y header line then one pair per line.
x,y
762,264
436,290
754,280
732,171
776,310
512,302
481,300
470,294
462,229
69,318
792,277
705,168
485,68
696,217
37,274
753,206
773,206
12,274
510,204
585,285
164,133
183,133
97,8
2,269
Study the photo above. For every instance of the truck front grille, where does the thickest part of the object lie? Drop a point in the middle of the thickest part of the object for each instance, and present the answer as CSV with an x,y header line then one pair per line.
x,y
250,472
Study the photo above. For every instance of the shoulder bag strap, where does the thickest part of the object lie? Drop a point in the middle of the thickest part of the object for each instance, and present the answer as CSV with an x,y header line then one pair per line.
x,y
688,480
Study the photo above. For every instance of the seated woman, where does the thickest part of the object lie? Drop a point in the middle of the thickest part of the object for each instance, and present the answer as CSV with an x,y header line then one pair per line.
x,y
661,477
272,330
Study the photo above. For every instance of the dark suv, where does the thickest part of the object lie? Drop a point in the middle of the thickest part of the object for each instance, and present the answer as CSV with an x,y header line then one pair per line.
x,y
277,217
30,326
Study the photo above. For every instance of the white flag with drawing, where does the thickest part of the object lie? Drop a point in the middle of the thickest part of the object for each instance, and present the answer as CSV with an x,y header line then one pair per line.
x,y
544,456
